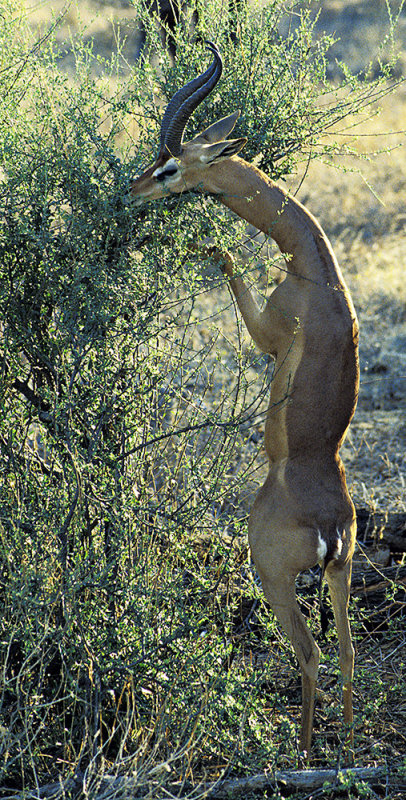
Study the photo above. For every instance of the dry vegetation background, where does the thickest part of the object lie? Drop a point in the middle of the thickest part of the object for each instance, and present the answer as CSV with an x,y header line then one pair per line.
x,y
364,216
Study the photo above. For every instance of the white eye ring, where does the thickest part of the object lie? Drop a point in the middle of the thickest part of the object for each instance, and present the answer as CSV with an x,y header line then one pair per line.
x,y
166,174
168,171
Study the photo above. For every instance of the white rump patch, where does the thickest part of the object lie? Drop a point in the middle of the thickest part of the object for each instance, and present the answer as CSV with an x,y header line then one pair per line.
x,y
339,546
321,548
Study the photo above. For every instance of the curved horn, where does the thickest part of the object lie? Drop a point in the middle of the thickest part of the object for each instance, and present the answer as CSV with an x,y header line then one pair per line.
x,y
174,133
180,96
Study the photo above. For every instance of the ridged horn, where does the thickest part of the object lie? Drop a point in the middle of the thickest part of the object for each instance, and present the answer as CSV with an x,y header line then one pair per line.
x,y
180,96
172,141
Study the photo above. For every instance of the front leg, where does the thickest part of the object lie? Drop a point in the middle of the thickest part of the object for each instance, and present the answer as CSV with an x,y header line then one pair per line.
x,y
264,326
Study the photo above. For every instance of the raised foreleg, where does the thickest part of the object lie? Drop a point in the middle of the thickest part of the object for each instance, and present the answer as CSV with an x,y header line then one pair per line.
x,y
266,326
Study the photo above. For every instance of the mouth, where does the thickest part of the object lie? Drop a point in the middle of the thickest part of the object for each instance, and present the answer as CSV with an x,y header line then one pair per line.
x,y
134,200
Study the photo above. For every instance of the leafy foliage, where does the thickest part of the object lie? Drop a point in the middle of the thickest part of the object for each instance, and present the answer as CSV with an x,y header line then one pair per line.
x,y
125,435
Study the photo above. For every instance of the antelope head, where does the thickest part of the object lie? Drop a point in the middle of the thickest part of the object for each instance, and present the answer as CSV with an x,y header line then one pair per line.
x,y
180,165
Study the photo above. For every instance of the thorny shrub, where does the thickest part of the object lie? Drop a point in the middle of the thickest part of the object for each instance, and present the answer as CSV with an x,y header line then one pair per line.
x,y
125,435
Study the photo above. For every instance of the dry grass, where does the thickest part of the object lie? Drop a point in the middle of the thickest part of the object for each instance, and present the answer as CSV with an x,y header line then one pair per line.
x,y
367,229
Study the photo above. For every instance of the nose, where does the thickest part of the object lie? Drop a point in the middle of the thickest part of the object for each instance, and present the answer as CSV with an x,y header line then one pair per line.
x,y
134,200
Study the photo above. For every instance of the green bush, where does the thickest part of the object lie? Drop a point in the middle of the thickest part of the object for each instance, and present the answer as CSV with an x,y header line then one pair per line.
x,y
124,437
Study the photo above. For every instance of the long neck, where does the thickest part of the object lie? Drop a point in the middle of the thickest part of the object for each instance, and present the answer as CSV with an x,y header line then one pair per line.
x,y
253,196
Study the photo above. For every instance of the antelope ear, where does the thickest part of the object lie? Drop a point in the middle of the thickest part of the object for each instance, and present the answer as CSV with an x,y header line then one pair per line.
x,y
218,131
221,150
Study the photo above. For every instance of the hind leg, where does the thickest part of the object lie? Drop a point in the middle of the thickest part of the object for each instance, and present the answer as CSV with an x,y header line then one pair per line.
x,y
339,582
279,589
280,551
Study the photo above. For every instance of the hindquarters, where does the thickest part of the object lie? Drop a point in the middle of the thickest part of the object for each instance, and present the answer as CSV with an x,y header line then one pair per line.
x,y
294,526
282,546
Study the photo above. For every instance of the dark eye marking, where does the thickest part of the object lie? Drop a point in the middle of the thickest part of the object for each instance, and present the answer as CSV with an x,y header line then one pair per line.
x,y
166,173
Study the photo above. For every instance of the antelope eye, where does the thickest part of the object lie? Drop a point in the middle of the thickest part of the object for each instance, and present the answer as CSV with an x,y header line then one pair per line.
x,y
166,173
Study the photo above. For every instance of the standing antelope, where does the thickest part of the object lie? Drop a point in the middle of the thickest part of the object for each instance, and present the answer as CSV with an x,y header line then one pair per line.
x,y
303,514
